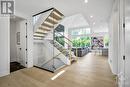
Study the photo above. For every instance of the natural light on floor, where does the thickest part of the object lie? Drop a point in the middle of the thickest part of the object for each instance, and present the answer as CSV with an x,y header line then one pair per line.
x,y
57,75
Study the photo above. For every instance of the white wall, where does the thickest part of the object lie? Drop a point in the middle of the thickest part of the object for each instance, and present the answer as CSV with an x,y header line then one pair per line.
x,y
17,26
100,27
114,32
113,43
75,21
4,46
13,48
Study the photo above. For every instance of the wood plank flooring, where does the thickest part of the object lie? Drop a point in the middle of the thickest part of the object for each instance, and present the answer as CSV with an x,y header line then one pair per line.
x,y
89,71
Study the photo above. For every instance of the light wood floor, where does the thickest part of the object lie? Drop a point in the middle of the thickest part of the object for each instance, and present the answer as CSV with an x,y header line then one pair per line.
x,y
90,71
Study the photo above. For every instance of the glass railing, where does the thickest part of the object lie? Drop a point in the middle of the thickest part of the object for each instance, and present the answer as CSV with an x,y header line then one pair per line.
x,y
68,44
35,18
55,53
58,55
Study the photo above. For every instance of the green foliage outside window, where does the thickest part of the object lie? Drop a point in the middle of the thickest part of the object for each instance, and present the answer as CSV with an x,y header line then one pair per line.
x,y
60,39
106,41
82,42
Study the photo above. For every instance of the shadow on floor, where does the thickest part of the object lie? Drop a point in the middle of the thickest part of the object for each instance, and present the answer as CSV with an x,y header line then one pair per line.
x,y
14,66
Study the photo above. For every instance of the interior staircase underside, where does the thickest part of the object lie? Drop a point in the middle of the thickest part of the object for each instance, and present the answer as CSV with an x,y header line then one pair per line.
x,y
48,24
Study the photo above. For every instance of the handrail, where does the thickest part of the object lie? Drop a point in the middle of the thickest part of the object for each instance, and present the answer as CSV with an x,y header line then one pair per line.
x,y
70,50
59,53
42,12
55,56
65,42
63,36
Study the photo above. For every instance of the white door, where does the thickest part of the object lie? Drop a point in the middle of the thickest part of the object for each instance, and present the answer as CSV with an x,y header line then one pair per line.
x,y
19,59
127,42
121,53
21,49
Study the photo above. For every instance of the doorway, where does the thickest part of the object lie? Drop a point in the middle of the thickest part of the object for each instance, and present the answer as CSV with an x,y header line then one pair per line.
x,y
18,43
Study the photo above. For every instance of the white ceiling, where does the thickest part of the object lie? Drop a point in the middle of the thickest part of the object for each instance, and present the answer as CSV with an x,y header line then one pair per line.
x,y
75,21
99,9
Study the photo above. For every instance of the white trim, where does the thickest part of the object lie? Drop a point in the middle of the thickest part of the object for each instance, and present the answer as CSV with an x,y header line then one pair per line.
x,y
4,73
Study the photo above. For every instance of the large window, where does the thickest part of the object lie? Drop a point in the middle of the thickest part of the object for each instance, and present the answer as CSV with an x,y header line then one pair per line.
x,y
80,31
82,42
80,37
59,37
106,41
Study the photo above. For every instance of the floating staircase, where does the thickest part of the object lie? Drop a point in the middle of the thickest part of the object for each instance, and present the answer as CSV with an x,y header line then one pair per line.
x,y
67,52
45,24
51,18
53,65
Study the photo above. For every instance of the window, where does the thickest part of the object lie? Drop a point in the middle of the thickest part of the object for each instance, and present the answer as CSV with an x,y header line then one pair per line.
x,y
59,37
35,18
82,42
106,41
80,37
80,31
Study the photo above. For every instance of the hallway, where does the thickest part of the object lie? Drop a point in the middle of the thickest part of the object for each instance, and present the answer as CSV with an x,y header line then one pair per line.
x,y
89,71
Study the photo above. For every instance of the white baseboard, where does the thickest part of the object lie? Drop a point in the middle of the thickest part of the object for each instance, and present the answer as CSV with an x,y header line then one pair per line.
x,y
4,73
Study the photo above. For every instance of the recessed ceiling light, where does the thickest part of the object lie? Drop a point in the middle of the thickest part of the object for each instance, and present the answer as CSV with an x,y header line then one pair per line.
x,y
86,1
91,16
93,23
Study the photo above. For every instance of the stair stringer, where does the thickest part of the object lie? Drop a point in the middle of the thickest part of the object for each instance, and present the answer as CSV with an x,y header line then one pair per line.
x,y
49,36
49,56
61,56
40,20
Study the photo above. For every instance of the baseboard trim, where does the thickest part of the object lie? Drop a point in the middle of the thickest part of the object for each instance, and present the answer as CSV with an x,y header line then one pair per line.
x,y
5,73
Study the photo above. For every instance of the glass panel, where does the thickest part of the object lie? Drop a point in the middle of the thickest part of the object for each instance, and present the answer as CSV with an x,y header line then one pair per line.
x,y
59,37
49,47
35,18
